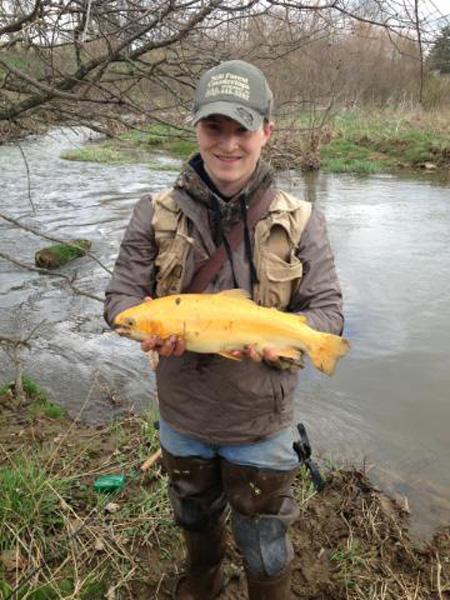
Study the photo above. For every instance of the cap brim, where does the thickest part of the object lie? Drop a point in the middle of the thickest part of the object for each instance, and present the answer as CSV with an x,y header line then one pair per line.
x,y
244,115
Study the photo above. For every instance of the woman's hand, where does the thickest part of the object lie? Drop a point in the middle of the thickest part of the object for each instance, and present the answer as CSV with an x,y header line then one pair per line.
x,y
267,354
172,346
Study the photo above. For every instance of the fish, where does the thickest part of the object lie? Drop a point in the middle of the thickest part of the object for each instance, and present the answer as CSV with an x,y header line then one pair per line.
x,y
226,321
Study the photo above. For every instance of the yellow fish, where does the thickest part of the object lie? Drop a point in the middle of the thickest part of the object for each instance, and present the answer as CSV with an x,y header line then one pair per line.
x,y
226,321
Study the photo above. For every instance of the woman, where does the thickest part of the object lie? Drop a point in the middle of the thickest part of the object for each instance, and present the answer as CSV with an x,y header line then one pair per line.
x,y
226,427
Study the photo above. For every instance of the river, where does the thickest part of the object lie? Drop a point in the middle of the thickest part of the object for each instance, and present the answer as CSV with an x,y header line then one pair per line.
x,y
387,408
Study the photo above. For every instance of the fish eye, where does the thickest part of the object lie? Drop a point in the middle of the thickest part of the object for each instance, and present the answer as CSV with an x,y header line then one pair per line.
x,y
129,322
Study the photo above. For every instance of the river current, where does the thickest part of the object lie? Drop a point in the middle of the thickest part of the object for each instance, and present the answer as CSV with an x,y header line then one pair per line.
x,y
387,408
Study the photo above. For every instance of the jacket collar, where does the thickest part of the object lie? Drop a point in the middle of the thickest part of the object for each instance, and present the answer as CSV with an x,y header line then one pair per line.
x,y
195,181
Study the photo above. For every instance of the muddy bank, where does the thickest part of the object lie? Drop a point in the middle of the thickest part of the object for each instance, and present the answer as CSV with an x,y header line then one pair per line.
x,y
351,541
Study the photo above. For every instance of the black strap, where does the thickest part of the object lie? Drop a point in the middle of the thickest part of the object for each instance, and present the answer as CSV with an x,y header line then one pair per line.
x,y
303,449
258,209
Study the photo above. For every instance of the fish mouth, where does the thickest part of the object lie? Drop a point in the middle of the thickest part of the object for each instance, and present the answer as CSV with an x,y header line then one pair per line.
x,y
124,327
121,330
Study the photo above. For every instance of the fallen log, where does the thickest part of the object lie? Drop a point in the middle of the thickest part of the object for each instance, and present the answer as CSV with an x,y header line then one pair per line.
x,y
58,255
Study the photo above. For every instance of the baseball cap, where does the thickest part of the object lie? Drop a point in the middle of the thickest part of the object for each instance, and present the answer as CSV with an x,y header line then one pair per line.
x,y
236,89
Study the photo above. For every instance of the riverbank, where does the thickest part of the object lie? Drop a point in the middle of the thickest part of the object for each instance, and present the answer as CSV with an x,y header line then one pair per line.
x,y
357,141
63,539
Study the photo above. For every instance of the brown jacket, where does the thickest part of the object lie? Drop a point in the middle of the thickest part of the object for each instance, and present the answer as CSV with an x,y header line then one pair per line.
x,y
209,397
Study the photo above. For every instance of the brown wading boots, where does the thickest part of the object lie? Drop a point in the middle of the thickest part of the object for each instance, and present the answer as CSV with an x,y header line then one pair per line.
x,y
276,587
198,502
263,508
204,578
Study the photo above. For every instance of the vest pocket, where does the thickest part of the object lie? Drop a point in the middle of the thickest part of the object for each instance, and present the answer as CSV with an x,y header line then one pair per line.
x,y
171,263
277,279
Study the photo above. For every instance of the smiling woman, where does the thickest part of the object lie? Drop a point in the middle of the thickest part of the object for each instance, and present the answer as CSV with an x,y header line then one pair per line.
x,y
225,216
229,151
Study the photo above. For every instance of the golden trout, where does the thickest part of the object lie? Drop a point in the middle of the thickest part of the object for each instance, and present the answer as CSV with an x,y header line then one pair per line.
x,y
226,321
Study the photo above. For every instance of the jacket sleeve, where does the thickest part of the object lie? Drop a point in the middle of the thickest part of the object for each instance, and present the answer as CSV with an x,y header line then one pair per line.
x,y
134,272
318,295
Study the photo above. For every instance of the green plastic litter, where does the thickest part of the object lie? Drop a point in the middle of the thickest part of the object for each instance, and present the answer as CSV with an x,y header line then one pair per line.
x,y
109,483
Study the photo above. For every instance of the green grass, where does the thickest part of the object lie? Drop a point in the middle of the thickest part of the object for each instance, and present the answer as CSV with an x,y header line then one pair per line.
x,y
32,390
47,409
349,561
304,489
40,403
47,493
381,141
92,590
139,146
360,141
29,500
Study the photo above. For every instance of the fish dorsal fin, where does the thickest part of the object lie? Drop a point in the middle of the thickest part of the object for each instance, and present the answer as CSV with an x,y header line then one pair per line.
x,y
237,294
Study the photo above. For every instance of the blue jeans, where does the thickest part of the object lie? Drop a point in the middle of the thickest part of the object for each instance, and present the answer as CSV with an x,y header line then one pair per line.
x,y
276,452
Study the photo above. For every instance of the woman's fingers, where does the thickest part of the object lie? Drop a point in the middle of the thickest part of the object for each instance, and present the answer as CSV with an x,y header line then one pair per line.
x,y
168,346
172,346
270,355
176,346
254,354
180,347
149,343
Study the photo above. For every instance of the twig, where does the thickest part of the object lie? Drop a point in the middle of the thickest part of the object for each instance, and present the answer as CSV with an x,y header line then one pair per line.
x,y
151,460
438,577
28,176
9,341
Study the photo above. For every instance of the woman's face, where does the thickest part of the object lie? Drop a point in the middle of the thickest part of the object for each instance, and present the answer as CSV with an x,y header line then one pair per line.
x,y
229,151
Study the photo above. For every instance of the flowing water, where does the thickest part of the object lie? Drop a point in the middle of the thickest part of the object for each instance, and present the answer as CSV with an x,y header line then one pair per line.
x,y
388,404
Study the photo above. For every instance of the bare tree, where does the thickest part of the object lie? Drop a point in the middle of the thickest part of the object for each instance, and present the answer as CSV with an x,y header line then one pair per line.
x,y
15,347
100,61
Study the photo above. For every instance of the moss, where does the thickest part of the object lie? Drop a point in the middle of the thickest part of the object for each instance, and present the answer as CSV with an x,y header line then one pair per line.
x,y
60,254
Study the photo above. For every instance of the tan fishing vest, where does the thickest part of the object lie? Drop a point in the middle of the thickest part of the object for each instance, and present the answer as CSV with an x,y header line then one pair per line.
x,y
276,239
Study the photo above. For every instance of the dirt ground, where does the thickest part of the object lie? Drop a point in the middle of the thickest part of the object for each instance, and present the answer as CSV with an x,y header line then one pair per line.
x,y
350,542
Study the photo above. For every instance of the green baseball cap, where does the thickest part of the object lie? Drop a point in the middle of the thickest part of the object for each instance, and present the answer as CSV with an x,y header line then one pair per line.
x,y
236,89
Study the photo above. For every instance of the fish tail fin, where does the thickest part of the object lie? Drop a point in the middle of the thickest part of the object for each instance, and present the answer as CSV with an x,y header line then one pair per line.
x,y
325,354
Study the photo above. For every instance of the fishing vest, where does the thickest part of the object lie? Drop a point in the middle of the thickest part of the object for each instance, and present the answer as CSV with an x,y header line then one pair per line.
x,y
276,239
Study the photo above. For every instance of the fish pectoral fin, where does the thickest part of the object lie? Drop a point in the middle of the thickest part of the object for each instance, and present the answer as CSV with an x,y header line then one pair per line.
x,y
289,352
228,354
236,293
